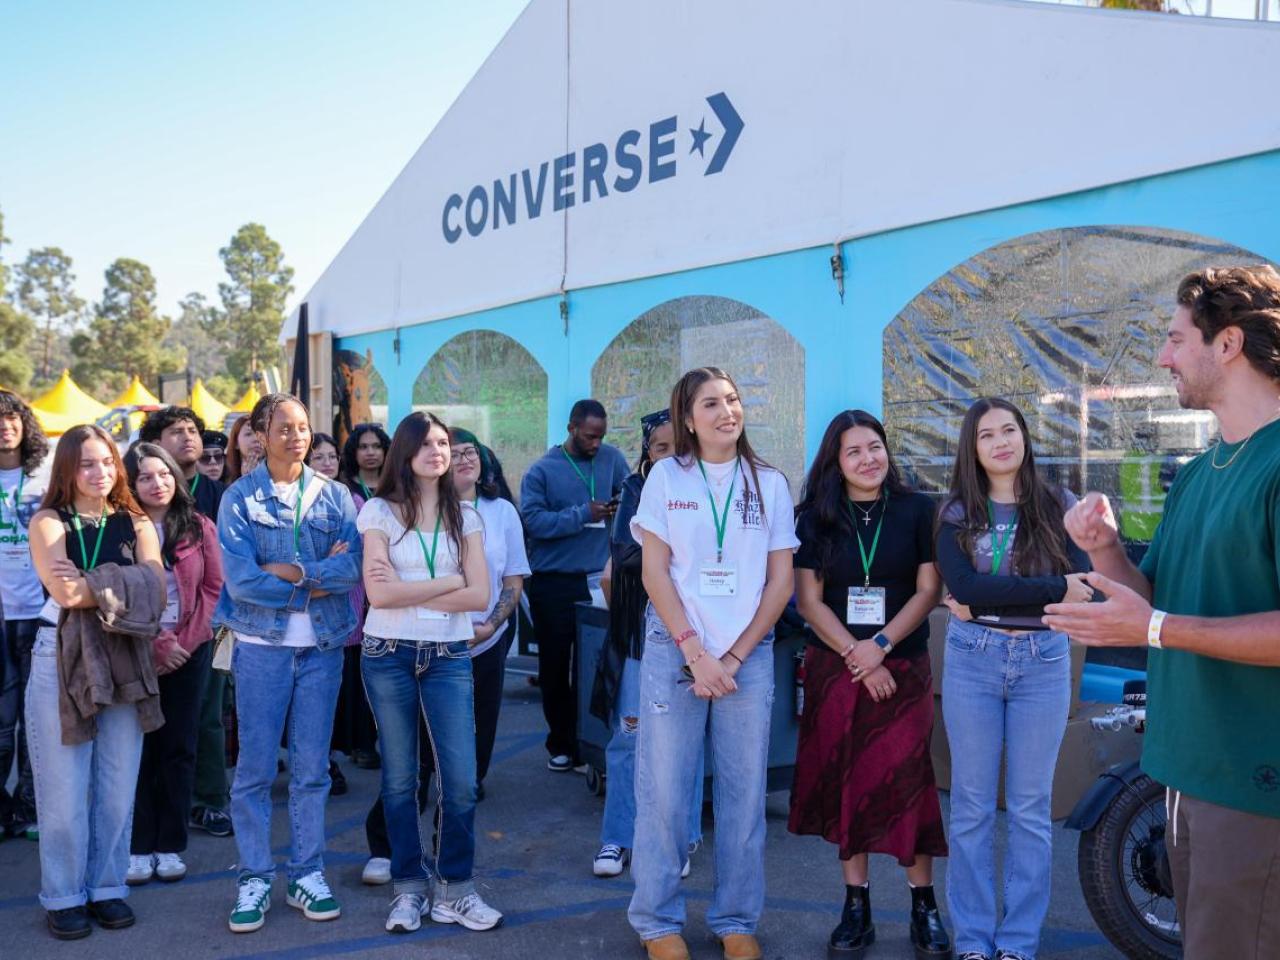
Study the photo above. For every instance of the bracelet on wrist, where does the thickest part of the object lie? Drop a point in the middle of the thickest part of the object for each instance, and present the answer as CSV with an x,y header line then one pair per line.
x,y
1153,629
687,635
696,657
730,653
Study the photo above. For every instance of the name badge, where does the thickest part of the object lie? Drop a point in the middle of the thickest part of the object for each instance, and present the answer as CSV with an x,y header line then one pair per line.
x,y
598,525
171,613
426,614
717,579
865,607
50,611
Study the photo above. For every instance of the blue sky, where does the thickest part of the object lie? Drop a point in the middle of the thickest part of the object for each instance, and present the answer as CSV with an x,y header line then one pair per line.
x,y
154,130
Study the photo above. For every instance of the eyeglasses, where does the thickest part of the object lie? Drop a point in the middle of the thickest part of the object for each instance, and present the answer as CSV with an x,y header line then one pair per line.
x,y
469,455
212,456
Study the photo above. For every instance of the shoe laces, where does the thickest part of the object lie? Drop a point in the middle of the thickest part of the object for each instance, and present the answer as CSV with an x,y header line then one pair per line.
x,y
467,903
407,903
610,851
168,859
250,893
314,885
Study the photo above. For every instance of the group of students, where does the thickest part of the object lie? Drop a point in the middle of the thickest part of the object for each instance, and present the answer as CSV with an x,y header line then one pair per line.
x,y
705,553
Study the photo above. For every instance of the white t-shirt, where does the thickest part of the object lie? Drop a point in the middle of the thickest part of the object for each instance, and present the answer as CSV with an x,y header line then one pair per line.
x,y
172,600
298,632
416,623
504,555
675,507
20,588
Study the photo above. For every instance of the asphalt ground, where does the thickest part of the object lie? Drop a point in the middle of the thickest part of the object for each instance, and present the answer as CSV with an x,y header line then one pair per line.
x,y
537,832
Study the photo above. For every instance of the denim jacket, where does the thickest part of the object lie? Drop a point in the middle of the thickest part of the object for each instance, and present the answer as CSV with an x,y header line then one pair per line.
x,y
255,527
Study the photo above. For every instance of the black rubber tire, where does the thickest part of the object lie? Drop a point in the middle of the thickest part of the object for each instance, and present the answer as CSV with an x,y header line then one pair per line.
x,y
1102,867
595,781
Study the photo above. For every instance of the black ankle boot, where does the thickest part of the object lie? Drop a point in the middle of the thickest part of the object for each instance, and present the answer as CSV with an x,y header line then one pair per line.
x,y
928,935
850,939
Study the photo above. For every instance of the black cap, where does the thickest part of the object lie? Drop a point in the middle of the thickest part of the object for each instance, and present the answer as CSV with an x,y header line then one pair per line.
x,y
214,438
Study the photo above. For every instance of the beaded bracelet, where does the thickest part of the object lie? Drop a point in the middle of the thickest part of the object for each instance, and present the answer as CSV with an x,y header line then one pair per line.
x,y
696,657
688,634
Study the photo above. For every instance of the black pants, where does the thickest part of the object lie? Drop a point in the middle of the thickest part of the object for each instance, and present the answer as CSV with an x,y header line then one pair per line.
x,y
489,675
167,774
212,789
555,624
15,668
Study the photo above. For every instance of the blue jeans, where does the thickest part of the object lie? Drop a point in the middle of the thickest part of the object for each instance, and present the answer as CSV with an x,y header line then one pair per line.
x,y
404,679
84,792
668,764
619,824
272,683
1002,695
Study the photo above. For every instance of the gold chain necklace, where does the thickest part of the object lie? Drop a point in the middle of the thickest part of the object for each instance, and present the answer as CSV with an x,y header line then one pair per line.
x,y
1213,457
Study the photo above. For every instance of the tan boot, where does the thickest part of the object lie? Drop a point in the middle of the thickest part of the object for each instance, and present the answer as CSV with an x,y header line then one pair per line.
x,y
670,947
741,946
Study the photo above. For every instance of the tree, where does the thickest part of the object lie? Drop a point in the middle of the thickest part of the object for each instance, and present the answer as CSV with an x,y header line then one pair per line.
x,y
15,332
127,333
46,293
252,301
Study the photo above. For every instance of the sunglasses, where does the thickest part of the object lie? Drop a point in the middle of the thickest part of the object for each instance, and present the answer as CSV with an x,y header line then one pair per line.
x,y
212,456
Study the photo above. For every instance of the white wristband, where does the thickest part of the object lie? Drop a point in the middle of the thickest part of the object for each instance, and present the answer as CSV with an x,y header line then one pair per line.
x,y
1153,629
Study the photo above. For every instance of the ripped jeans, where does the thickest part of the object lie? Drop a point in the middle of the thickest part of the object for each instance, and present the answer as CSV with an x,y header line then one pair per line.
x,y
619,825
673,724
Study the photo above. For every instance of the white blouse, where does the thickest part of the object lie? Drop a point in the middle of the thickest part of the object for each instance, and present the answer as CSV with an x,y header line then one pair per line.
x,y
405,549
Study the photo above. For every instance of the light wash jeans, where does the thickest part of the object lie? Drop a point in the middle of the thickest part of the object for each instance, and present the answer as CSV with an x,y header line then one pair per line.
x,y
84,792
619,825
669,761
404,679
272,682
1002,695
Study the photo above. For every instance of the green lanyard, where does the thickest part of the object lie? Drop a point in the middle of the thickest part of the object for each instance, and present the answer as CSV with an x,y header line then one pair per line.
x,y
297,515
721,518
17,499
435,543
999,544
90,562
195,482
368,494
591,484
867,558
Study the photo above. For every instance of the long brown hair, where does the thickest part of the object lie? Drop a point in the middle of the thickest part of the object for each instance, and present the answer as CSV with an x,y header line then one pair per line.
x,y
231,469
61,493
399,484
686,441
181,521
1040,544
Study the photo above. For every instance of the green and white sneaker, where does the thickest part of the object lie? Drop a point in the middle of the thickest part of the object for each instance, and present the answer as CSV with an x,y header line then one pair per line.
x,y
312,896
253,900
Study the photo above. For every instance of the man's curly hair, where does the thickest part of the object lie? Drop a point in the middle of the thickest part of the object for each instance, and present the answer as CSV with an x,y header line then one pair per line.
x,y
35,445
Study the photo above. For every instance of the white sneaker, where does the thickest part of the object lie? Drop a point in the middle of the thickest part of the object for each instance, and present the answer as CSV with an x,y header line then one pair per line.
x,y
610,860
169,867
470,911
376,872
560,763
688,861
407,911
141,869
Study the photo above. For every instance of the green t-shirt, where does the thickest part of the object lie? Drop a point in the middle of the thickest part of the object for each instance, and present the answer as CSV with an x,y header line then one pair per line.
x,y
1212,725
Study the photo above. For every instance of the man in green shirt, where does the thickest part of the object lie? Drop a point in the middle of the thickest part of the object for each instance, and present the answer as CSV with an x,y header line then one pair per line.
x,y
1206,599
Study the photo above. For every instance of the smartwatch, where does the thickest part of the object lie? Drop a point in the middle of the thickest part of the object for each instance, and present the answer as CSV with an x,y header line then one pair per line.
x,y
883,642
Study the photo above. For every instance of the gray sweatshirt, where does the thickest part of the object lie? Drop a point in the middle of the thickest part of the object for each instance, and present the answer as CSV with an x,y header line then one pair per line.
x,y
555,506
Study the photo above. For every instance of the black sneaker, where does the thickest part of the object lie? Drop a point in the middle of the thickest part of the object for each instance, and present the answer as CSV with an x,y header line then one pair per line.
x,y
212,821
337,782
112,914
70,924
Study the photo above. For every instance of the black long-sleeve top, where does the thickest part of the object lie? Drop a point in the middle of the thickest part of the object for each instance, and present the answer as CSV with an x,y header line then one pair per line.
x,y
1002,599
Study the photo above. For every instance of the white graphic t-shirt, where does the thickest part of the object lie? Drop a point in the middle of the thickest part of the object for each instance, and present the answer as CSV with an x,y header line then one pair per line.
x,y
20,588
720,594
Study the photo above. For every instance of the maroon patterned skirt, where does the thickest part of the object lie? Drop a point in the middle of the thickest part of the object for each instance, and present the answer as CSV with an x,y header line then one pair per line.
x,y
864,777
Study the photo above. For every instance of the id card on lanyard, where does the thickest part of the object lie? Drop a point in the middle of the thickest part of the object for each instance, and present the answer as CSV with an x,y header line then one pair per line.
x,y
716,578
590,484
430,557
49,612
866,604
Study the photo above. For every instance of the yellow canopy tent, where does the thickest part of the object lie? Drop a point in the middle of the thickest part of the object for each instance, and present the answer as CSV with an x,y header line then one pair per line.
x,y
66,399
246,402
55,424
208,407
135,395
